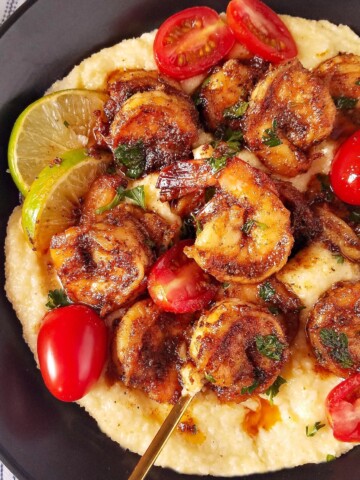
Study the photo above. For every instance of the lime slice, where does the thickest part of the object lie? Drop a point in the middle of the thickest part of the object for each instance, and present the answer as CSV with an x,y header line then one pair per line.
x,y
49,127
54,197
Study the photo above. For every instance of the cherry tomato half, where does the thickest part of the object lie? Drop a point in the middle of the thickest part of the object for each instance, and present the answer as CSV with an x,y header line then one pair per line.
x,y
261,30
343,409
72,348
345,170
191,41
177,283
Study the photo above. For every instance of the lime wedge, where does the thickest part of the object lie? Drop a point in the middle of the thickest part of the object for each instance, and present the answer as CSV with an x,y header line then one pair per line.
x,y
54,197
49,127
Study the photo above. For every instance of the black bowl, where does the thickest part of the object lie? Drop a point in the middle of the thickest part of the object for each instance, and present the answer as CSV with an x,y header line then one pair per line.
x,y
40,437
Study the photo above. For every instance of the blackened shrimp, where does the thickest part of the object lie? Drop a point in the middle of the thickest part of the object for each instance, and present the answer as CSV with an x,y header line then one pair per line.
x,y
290,110
341,74
333,329
103,264
145,350
239,348
160,127
244,232
223,96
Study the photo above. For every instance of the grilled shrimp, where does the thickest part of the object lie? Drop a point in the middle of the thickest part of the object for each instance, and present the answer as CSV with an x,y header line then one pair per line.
x,y
341,74
272,294
290,110
104,264
144,350
162,126
333,329
102,192
244,230
224,94
338,233
240,348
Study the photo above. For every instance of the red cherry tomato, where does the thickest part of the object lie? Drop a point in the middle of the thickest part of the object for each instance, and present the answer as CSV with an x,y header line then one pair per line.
x,y
72,348
345,170
177,283
191,41
260,29
343,409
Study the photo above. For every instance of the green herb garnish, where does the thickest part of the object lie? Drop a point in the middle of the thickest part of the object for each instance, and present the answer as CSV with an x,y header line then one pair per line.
x,y
225,285
330,458
57,298
132,157
269,346
274,310
273,390
339,258
137,195
338,344
355,216
345,103
197,223
248,225
250,388
66,124
325,186
209,378
218,163
311,431
266,291
357,82
236,111
270,138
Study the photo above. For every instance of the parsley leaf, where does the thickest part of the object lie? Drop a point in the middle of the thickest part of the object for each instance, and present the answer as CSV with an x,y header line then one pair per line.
x,y
197,223
218,163
274,310
270,138
236,111
266,291
250,388
246,228
330,458
339,258
345,103
137,195
233,138
132,157
225,285
325,186
338,345
311,431
209,378
57,298
273,390
269,346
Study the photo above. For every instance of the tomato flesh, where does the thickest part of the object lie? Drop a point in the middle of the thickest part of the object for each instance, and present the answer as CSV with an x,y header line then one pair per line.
x,y
343,409
191,41
72,349
260,30
177,284
345,170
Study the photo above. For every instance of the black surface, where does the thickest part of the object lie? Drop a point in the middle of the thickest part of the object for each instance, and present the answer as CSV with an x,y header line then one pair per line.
x,y
41,438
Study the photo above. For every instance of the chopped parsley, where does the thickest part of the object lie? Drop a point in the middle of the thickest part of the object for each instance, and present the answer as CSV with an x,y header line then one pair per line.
x,y
218,163
330,458
311,431
236,111
325,186
209,378
339,258
233,138
269,346
250,388
66,124
57,298
273,390
345,103
270,138
132,157
274,310
137,195
355,216
197,224
225,285
266,291
248,225
338,344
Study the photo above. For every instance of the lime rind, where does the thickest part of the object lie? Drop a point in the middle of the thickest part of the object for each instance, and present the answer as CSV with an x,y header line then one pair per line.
x,y
55,195
48,128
